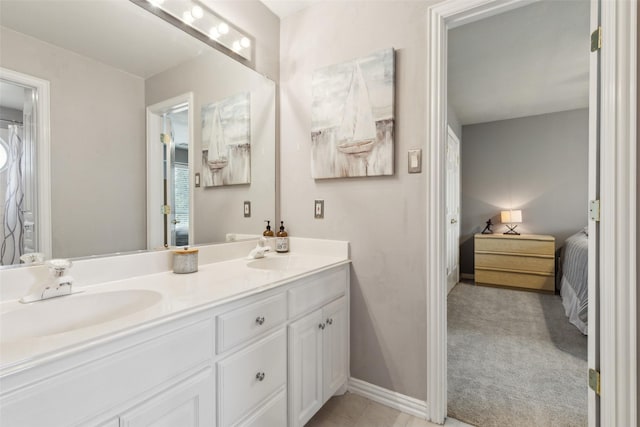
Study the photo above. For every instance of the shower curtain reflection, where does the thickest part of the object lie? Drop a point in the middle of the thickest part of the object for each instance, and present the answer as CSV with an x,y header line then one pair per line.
x,y
12,245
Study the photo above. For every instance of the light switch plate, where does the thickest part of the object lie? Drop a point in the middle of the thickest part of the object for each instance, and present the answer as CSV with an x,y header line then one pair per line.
x,y
415,160
318,211
247,209
197,179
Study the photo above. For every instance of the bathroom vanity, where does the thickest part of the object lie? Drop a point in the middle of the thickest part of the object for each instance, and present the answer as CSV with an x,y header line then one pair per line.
x,y
239,343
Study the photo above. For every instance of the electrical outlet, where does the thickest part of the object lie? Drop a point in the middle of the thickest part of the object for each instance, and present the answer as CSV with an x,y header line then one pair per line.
x,y
247,209
319,209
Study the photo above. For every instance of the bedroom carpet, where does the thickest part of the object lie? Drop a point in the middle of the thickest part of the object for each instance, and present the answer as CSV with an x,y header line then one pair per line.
x,y
514,359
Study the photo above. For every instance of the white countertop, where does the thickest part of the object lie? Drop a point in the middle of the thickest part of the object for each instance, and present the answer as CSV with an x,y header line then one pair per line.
x,y
214,284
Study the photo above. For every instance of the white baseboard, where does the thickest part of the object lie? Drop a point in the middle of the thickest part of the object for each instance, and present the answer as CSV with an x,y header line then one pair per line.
x,y
401,402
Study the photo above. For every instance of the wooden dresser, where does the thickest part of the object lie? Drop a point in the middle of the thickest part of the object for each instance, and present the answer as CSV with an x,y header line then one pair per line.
x,y
525,261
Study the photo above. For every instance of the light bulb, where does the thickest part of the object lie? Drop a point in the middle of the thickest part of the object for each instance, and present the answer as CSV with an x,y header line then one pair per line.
x,y
236,46
197,12
213,33
245,42
187,17
223,28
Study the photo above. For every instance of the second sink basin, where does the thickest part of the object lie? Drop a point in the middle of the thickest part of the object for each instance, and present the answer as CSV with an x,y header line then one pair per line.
x,y
64,314
282,263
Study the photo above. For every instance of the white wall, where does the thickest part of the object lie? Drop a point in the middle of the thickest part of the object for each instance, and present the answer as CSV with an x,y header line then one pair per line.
x,y
538,164
97,147
384,217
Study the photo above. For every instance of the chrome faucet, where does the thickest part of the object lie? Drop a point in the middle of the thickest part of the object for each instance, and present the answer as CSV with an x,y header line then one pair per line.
x,y
59,283
260,249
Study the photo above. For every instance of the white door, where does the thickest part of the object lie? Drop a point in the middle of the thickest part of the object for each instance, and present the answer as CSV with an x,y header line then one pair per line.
x,y
334,347
305,368
170,182
453,209
593,341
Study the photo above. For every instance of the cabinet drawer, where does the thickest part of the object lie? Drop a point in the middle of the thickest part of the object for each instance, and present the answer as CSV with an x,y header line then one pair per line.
x,y
317,292
515,280
241,324
540,264
517,245
247,378
271,414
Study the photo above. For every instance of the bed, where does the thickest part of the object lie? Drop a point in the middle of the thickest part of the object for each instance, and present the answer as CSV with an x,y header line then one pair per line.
x,y
573,285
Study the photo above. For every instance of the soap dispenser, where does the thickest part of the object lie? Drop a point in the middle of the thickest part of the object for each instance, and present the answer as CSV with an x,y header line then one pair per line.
x,y
268,232
282,239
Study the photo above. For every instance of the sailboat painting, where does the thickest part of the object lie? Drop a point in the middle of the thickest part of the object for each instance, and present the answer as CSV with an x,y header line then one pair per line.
x,y
226,141
352,118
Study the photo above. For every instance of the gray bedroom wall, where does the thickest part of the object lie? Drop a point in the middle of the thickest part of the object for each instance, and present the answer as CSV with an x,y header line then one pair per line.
x,y
97,114
537,164
383,218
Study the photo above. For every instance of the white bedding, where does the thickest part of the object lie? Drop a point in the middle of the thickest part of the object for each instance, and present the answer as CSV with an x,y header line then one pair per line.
x,y
574,286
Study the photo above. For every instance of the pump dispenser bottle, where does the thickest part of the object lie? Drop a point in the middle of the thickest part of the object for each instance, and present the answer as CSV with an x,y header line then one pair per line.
x,y
282,239
268,232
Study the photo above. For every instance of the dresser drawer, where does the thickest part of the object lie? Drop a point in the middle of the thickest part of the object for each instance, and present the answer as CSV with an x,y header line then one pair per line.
x,y
318,291
539,282
250,376
239,325
517,245
540,264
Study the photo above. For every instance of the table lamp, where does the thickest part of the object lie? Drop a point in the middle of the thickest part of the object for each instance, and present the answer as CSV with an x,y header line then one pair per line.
x,y
511,218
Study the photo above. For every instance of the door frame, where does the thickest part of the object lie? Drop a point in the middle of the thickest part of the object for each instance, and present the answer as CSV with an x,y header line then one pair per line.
x,y
617,254
43,151
155,170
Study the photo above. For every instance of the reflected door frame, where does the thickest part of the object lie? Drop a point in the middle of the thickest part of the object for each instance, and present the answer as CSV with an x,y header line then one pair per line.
x,y
155,168
43,149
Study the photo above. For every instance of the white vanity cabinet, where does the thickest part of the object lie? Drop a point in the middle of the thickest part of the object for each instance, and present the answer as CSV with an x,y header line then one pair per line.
x,y
318,348
270,359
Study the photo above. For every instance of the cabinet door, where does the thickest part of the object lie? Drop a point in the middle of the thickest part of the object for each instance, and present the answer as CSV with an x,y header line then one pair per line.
x,y
334,341
189,403
305,368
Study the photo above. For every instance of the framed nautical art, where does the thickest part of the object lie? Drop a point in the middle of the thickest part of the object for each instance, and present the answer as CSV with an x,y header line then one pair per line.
x,y
352,117
226,141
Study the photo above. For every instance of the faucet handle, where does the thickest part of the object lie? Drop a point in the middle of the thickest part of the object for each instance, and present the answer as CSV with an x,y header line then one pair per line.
x,y
59,266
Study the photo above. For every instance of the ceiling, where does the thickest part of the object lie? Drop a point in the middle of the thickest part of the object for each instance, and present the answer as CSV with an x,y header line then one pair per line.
x,y
99,29
529,61
284,8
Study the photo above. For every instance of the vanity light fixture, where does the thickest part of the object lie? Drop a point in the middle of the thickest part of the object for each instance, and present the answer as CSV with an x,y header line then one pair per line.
x,y
198,20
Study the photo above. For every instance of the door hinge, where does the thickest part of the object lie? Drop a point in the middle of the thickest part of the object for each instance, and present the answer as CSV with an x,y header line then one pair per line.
x,y
165,209
594,210
596,39
594,381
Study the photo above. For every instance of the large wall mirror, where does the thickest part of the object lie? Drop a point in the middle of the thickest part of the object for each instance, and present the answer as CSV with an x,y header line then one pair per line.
x,y
136,103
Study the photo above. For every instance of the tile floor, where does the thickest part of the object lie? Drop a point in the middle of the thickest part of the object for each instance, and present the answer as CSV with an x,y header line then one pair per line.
x,y
351,410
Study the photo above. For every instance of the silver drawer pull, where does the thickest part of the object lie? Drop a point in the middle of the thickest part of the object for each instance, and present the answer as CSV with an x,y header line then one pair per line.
x,y
321,326
260,320
260,376
329,321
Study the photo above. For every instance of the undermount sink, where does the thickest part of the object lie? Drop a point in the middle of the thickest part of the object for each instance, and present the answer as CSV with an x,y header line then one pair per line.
x,y
279,262
68,313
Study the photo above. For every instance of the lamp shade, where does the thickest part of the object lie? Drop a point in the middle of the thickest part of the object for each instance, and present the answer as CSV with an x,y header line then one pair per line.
x,y
511,217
